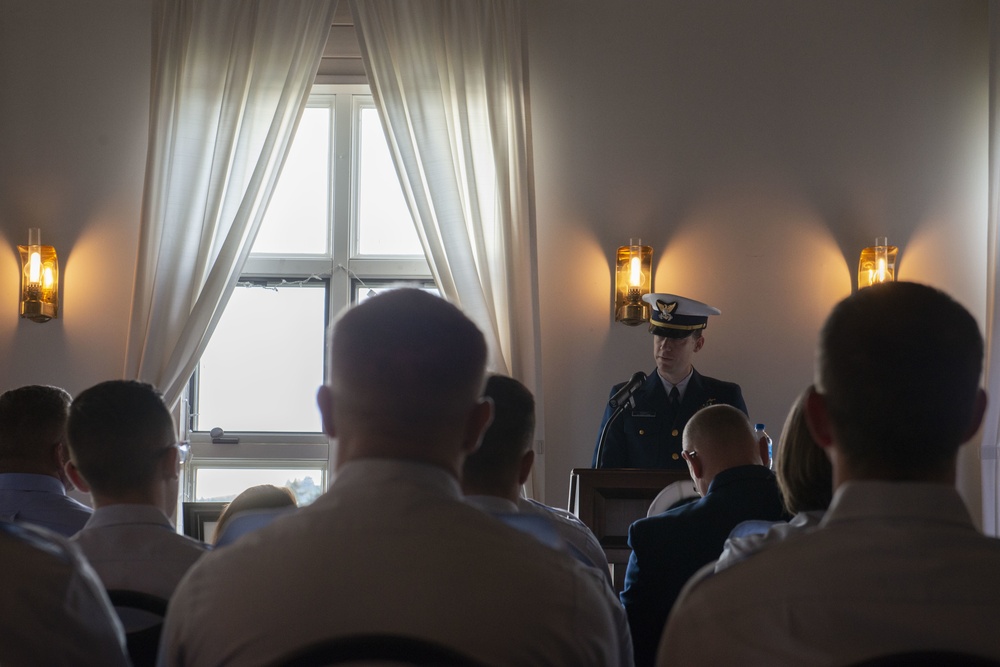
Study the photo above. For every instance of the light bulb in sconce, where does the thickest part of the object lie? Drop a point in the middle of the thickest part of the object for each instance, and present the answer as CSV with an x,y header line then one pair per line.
x,y
633,279
39,300
877,263
881,261
635,272
34,266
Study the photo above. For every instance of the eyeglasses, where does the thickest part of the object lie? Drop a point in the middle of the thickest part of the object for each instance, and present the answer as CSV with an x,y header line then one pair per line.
x,y
183,450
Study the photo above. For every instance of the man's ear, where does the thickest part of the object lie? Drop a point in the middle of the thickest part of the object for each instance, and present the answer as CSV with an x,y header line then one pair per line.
x,y
74,476
818,418
524,468
979,410
324,399
480,418
694,464
59,455
170,464
700,343
61,459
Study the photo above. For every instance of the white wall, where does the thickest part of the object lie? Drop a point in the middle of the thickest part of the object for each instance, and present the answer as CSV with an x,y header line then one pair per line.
x,y
74,112
758,146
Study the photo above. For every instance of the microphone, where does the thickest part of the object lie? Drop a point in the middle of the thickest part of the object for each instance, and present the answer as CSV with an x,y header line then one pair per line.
x,y
625,393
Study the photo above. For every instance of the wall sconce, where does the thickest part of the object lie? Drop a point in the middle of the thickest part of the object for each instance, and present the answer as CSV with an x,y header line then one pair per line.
x,y
877,263
39,279
633,279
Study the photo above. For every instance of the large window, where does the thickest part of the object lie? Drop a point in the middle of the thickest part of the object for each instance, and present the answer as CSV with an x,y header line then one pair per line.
x,y
337,230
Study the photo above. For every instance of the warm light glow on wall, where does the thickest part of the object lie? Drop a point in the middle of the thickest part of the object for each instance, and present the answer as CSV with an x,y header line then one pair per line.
x,y
39,279
633,279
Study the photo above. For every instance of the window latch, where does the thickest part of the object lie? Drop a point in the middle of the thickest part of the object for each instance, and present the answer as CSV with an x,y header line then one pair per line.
x,y
219,437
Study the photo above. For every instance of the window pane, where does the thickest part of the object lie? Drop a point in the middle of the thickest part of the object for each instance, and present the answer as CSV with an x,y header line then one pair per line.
x,y
264,363
224,484
384,223
297,217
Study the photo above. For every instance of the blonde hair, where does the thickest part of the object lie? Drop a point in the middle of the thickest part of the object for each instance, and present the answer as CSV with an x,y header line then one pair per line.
x,y
260,497
805,475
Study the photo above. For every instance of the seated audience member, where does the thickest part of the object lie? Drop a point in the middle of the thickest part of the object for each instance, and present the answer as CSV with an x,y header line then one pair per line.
x,y
53,609
123,450
724,460
392,547
896,565
32,457
264,501
805,479
492,477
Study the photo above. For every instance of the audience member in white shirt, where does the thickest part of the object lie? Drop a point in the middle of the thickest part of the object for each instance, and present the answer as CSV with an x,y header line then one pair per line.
x,y
53,609
391,547
123,450
896,565
494,474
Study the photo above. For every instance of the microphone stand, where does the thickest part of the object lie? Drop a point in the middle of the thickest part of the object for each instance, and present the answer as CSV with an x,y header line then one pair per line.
x,y
604,431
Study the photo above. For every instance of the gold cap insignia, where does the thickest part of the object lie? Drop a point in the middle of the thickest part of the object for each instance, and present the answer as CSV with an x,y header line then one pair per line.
x,y
666,309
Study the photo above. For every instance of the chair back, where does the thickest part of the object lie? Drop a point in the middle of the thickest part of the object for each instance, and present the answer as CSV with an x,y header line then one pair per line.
x,y
928,659
142,615
381,649
671,496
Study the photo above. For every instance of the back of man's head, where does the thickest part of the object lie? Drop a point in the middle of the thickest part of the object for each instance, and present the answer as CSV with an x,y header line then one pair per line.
x,y
898,365
32,422
118,432
495,467
722,438
406,368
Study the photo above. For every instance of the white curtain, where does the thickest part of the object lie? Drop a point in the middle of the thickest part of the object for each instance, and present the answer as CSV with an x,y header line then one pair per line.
x,y
991,427
449,80
230,79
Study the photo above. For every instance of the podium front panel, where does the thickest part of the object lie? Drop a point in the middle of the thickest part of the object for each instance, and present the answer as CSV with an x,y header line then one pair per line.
x,y
609,500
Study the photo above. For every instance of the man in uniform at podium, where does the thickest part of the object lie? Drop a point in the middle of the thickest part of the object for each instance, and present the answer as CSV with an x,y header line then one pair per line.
x,y
648,435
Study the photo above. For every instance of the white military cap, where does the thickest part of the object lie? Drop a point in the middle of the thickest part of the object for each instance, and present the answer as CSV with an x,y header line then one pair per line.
x,y
677,316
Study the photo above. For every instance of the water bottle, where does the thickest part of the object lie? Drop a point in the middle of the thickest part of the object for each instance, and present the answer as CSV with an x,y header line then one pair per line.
x,y
759,431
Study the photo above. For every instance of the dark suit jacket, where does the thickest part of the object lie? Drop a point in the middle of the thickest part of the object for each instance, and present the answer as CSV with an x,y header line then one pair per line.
x,y
668,548
649,436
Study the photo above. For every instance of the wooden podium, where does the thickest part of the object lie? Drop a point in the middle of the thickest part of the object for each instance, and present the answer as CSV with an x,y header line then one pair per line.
x,y
608,500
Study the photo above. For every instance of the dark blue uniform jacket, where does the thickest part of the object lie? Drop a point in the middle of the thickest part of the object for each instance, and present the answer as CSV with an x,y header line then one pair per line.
x,y
649,436
668,548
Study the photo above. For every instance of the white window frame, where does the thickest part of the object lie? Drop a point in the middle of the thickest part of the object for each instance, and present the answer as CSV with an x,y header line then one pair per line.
x,y
341,266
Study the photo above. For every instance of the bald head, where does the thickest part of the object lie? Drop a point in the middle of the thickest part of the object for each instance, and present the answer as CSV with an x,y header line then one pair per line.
x,y
717,438
406,369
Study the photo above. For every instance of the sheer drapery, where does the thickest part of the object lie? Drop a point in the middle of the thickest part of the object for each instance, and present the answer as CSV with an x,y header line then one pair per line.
x,y
991,427
230,79
448,77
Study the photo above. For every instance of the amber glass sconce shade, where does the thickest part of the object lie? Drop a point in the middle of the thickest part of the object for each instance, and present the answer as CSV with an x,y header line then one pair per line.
x,y
877,263
633,279
39,279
